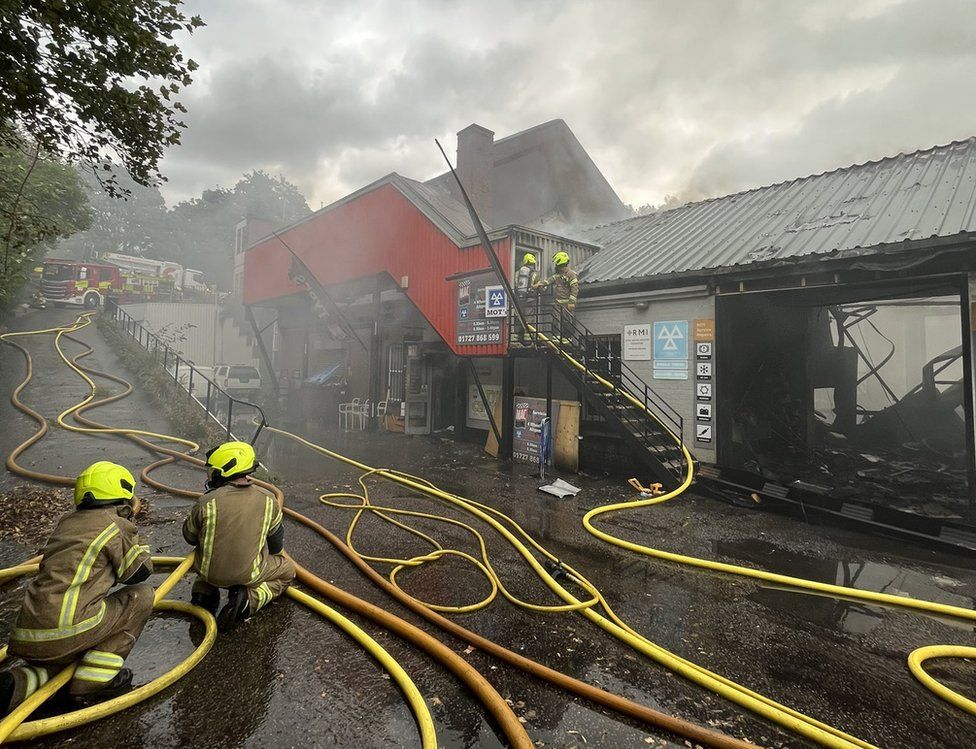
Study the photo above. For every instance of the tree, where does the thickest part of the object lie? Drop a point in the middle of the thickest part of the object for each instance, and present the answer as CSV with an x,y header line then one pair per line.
x,y
74,76
138,225
41,200
203,228
198,233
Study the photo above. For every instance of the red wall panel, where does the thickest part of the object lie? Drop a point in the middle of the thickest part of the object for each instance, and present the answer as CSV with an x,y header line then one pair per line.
x,y
376,232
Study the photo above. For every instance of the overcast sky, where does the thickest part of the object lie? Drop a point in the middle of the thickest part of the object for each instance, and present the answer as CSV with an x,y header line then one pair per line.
x,y
669,97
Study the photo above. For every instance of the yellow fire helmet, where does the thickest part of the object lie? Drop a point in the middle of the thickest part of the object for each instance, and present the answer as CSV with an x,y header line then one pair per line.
x,y
528,259
103,482
560,259
231,459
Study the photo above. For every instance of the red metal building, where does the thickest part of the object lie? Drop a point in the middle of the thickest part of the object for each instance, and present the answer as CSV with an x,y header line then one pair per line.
x,y
383,309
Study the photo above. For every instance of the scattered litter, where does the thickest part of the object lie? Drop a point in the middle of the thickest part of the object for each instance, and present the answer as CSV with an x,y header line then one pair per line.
x,y
560,488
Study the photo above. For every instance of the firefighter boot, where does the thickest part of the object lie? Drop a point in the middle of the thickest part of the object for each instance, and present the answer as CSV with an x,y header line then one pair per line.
x,y
206,599
120,684
6,692
235,611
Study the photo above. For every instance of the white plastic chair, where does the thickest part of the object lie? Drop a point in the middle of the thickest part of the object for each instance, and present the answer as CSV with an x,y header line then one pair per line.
x,y
364,412
345,411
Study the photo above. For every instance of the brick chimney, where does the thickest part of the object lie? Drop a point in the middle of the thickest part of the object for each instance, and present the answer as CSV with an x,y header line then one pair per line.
x,y
474,162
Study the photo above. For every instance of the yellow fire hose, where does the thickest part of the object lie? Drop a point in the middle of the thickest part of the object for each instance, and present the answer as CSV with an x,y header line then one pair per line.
x,y
785,716
10,726
493,702
505,717
915,659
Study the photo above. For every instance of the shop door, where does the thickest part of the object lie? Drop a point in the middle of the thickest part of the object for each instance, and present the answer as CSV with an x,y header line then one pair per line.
x,y
417,399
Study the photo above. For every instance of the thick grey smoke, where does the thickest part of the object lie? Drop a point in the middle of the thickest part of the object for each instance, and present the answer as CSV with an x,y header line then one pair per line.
x,y
691,99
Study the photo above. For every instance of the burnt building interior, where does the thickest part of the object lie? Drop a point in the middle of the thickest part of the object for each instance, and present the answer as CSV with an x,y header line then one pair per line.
x,y
854,392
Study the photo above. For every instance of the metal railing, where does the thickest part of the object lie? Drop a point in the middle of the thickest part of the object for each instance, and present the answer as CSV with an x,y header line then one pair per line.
x,y
226,410
554,329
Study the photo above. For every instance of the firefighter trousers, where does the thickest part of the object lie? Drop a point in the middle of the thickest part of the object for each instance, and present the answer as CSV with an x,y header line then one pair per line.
x,y
276,575
102,650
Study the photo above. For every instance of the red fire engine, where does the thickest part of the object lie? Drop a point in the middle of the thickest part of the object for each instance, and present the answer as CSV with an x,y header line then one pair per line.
x,y
85,284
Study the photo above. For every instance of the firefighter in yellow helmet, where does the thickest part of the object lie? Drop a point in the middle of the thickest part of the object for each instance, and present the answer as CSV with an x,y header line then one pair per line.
x,y
565,288
526,282
239,535
68,614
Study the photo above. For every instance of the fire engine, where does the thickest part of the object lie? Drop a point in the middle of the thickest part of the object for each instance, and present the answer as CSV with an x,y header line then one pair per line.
x,y
88,284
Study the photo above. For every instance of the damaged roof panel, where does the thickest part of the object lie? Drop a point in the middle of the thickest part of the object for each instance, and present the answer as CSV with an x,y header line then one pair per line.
x,y
914,196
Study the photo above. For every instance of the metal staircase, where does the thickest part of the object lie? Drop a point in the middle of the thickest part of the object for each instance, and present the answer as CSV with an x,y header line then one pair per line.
x,y
642,417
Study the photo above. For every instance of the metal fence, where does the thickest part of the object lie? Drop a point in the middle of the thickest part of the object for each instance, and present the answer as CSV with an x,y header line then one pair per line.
x,y
226,410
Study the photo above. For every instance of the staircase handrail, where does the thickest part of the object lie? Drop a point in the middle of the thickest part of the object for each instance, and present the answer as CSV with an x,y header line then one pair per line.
x,y
553,320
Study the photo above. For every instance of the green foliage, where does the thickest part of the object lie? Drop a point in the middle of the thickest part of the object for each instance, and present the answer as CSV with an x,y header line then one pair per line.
x,y
76,77
203,228
183,413
136,225
41,200
198,233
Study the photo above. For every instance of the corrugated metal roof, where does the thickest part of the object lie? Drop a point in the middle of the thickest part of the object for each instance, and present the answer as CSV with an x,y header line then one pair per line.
x,y
914,196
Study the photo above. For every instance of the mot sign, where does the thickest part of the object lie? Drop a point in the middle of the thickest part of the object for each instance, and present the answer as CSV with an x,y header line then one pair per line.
x,y
496,301
637,343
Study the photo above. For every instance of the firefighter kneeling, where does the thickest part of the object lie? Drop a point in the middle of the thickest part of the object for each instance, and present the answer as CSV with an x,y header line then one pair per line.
x,y
67,613
239,534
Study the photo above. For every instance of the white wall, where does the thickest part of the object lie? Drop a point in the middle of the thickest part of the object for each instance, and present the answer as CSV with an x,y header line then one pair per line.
x,y
190,329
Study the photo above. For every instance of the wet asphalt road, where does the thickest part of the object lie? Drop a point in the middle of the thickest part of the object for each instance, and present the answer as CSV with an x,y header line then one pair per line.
x,y
289,679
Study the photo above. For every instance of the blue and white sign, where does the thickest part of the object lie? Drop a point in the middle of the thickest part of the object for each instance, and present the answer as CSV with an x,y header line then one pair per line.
x,y
496,301
671,350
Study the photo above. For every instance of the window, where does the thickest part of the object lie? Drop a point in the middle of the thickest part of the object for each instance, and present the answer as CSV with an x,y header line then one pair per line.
x,y
243,373
58,272
239,236
603,355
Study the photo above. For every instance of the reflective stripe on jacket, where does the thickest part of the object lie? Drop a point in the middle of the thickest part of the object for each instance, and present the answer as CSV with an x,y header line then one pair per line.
x,y
87,554
230,528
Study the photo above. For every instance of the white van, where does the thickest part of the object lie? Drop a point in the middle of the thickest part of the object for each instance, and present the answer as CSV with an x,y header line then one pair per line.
x,y
237,378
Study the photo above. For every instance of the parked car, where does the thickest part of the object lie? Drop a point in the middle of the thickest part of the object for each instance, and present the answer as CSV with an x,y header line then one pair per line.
x,y
237,378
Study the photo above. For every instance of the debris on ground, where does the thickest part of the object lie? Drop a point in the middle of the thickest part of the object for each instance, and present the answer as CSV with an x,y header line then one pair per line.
x,y
28,513
560,488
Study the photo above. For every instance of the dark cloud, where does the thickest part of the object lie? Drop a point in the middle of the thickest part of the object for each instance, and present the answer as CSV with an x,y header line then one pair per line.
x,y
692,99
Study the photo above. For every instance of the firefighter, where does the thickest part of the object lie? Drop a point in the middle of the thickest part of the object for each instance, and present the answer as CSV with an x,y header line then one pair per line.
x,y
526,282
68,613
565,287
239,534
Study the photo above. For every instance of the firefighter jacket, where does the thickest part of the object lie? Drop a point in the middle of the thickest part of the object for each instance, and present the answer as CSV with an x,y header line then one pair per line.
x,y
232,528
565,286
525,279
89,552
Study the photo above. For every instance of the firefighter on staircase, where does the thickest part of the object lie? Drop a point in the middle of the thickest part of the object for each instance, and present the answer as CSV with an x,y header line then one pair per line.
x,y
526,283
565,288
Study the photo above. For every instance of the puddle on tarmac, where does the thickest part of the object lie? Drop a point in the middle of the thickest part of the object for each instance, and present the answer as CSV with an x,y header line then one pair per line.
x,y
855,617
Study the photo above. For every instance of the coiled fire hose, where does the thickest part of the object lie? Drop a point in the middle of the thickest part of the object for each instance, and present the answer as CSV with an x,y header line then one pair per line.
x,y
915,659
608,699
838,738
10,726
